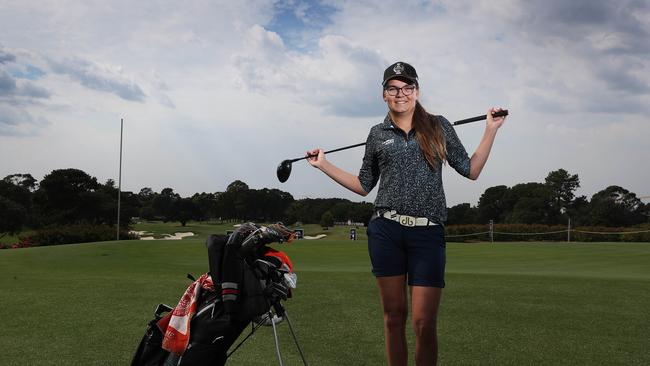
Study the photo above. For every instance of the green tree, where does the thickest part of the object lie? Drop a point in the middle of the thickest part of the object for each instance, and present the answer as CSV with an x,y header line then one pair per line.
x,y
327,220
462,214
530,210
528,203
18,189
237,186
562,186
491,204
13,217
296,212
206,205
183,210
67,196
616,206
163,204
579,211
25,181
235,200
362,212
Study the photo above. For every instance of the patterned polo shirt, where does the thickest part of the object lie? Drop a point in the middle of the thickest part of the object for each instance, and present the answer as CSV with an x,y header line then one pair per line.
x,y
407,183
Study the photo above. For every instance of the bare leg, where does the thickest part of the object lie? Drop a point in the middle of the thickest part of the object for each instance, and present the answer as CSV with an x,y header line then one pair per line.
x,y
392,290
424,303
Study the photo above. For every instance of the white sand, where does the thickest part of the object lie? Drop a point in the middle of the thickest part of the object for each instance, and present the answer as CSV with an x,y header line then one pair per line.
x,y
176,236
138,233
319,236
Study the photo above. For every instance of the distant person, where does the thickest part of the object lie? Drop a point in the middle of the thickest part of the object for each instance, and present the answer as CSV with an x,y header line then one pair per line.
x,y
406,237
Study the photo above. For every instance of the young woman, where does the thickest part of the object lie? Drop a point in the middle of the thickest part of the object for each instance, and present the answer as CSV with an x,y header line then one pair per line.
x,y
406,240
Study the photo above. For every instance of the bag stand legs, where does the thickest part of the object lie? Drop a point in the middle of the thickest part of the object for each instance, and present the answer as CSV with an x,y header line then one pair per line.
x,y
284,314
275,337
280,311
293,334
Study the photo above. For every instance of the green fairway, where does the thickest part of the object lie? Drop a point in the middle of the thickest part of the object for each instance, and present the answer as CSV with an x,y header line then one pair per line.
x,y
505,304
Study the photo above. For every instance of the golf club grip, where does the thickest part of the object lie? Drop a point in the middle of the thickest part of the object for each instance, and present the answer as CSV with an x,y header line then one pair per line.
x,y
501,113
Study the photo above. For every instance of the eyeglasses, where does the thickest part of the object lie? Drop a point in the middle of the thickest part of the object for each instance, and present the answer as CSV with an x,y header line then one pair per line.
x,y
406,90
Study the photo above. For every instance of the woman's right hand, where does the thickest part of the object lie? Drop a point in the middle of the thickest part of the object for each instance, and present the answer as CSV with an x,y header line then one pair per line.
x,y
316,157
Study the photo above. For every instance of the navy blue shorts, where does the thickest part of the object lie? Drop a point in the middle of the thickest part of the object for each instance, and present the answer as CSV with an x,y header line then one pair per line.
x,y
418,252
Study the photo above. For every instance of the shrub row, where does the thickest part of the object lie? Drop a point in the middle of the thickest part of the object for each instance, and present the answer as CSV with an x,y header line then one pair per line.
x,y
71,234
523,232
23,242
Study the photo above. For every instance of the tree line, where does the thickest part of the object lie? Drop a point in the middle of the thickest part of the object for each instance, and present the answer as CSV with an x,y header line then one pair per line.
x,y
553,203
73,197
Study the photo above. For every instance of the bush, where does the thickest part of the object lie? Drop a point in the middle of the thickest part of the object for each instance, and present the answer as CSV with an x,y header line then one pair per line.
x,y
532,232
70,234
525,232
600,234
467,233
23,242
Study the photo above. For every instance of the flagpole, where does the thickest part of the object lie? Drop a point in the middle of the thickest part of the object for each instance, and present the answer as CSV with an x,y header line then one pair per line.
x,y
119,181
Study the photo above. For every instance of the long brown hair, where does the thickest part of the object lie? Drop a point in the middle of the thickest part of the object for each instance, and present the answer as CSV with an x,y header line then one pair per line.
x,y
430,137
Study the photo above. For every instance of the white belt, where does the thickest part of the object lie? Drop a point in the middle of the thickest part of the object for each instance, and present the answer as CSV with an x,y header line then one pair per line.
x,y
406,220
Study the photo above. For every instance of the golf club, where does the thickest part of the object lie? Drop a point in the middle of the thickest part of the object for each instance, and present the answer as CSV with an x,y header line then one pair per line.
x,y
284,169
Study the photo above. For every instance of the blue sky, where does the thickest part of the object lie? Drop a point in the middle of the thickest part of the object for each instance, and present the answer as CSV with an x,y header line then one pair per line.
x,y
216,91
301,23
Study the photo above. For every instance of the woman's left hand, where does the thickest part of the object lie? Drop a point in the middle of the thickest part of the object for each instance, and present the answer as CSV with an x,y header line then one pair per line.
x,y
494,122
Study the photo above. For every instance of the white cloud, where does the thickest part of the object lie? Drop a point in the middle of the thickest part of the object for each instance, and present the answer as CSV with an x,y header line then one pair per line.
x,y
335,79
211,93
102,77
17,122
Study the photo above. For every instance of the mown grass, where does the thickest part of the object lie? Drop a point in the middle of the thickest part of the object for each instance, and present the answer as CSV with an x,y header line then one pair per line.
x,y
505,304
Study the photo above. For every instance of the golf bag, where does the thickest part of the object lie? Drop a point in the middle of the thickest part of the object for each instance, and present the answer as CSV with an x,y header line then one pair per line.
x,y
246,279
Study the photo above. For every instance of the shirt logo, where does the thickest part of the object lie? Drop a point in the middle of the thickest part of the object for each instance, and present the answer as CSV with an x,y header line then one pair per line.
x,y
388,142
398,68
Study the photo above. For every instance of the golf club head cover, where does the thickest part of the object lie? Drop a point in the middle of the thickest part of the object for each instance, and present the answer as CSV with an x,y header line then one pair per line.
x,y
280,233
232,267
252,246
216,245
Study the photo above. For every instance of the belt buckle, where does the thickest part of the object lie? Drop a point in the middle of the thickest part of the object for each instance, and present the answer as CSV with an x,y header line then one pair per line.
x,y
406,220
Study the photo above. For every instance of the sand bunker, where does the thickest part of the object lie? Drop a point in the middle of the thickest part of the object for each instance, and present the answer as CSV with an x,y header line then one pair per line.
x,y
319,236
176,236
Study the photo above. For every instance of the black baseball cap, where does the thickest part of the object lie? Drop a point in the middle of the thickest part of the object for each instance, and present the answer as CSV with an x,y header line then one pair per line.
x,y
401,70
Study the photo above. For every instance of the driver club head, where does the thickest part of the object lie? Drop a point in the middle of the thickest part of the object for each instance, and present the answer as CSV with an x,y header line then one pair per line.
x,y
284,170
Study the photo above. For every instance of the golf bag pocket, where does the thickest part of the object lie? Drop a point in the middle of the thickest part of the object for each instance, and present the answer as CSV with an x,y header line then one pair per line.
x,y
209,344
213,332
150,351
204,354
254,301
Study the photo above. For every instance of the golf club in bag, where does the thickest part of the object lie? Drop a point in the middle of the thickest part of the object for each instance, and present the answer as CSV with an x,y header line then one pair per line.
x,y
284,168
246,284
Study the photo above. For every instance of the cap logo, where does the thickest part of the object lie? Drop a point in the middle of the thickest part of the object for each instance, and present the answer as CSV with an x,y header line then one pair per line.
x,y
398,68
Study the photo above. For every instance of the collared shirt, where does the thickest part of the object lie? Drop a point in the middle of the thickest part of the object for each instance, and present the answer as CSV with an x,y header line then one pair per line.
x,y
407,183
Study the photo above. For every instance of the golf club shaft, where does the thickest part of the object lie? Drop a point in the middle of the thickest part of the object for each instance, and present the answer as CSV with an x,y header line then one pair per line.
x,y
501,113
331,151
